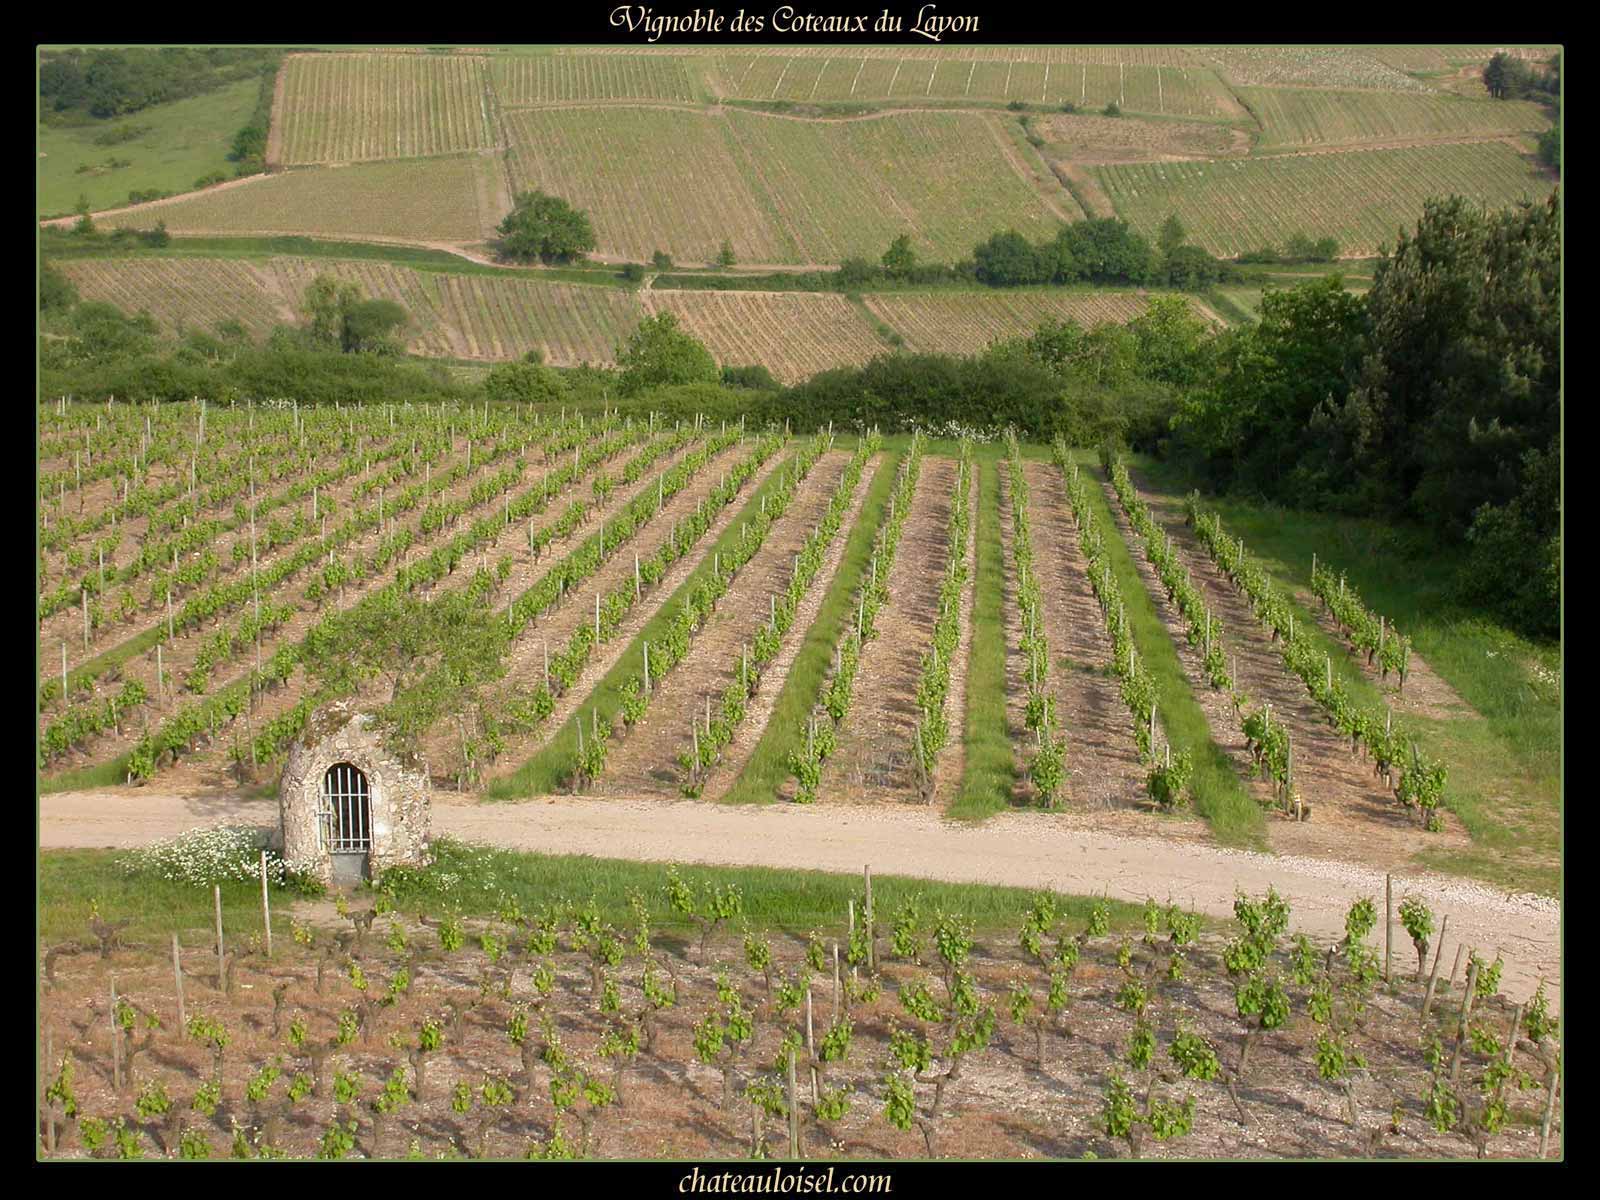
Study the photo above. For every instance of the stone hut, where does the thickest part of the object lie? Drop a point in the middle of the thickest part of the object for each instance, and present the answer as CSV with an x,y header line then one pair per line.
x,y
350,808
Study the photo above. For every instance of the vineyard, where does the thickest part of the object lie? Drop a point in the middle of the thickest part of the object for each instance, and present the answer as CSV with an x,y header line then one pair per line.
x,y
792,334
197,563
1295,117
1088,81
421,200
426,1020
1360,197
779,190
523,80
965,323
337,108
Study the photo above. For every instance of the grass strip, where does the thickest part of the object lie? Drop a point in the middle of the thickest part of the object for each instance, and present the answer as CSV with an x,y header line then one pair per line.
x,y
1219,794
788,901
547,770
768,768
990,771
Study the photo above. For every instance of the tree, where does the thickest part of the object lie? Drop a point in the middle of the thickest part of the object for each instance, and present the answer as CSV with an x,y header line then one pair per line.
x,y
525,382
372,326
900,259
659,353
323,306
1008,259
158,236
546,228
661,260
633,272
725,255
853,272
1113,110
756,377
1172,234
56,292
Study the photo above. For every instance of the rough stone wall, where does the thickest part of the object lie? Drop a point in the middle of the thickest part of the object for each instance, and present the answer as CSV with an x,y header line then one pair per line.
x,y
397,796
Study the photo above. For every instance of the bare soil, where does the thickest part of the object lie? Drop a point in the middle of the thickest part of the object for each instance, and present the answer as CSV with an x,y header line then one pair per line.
x,y
1007,1104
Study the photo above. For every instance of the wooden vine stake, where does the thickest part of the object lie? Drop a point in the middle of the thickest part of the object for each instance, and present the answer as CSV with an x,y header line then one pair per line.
x,y
794,1113
1388,924
177,979
216,895
811,1045
1433,976
872,949
266,905
1549,1111
1461,1026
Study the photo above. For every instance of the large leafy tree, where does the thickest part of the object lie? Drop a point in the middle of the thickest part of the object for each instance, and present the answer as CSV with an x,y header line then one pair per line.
x,y
660,354
546,228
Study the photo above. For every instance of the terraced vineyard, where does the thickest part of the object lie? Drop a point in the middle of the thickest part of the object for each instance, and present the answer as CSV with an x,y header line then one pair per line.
x,y
453,199
1294,117
336,108
780,190
1360,197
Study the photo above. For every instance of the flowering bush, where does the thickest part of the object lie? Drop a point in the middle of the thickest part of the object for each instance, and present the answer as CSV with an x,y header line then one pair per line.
x,y
202,857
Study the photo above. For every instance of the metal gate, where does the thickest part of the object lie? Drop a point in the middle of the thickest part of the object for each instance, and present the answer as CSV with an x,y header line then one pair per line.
x,y
345,824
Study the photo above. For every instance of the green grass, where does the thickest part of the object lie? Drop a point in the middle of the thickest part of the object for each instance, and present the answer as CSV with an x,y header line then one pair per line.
x,y
990,774
787,900
768,767
1219,794
69,880
185,140
549,769
1504,756
106,774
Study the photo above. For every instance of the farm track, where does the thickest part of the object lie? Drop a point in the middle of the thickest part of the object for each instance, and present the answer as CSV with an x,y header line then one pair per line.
x,y
1351,807
178,656
873,761
1018,849
528,665
1103,769
642,761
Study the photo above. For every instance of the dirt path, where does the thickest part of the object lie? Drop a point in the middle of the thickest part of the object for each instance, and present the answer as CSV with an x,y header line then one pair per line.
x,y
873,763
643,762
1103,770
1353,812
1018,849
519,750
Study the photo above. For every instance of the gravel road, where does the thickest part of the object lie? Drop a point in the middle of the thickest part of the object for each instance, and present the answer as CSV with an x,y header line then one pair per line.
x,y
1022,849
